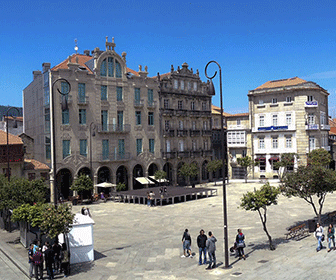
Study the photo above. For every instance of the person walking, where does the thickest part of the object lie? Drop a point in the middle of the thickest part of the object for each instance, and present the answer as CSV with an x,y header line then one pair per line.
x,y
30,260
211,248
201,243
65,265
240,244
331,237
318,235
49,260
38,264
186,241
57,254
152,198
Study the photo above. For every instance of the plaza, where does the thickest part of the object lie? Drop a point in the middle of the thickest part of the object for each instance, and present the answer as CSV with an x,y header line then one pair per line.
x,y
132,241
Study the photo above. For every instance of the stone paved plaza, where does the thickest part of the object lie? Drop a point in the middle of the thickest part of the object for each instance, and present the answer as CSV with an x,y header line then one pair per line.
x,y
138,242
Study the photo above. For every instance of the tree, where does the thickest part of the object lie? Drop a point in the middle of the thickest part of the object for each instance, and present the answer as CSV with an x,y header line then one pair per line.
x,y
81,184
246,162
286,161
309,182
50,220
121,187
214,165
189,171
259,200
160,174
319,157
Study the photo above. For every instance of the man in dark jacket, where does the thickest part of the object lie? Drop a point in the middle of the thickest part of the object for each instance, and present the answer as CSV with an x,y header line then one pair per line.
x,y
186,241
30,260
49,259
211,248
201,243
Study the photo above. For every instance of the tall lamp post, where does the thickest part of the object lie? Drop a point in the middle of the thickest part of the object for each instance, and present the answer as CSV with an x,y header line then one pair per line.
x,y
64,92
93,127
224,156
7,132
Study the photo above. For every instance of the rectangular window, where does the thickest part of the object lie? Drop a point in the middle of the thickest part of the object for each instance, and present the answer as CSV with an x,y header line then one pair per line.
x,y
311,119
192,106
275,143
194,147
180,146
175,84
150,118
66,148
47,148
119,94
46,96
104,119
150,97
274,100
311,143
194,125
139,146
288,99
121,148
138,117
110,66
323,118
151,145
180,105
82,116
83,147
261,102
120,116
289,119
65,116
310,98
47,120
189,85
166,103
65,87
238,122
180,125
168,146
206,145
118,69
103,92
182,85
205,125
261,143
103,68
167,125
105,146
262,164
261,121
288,142
195,86
137,95
275,120
204,106
81,92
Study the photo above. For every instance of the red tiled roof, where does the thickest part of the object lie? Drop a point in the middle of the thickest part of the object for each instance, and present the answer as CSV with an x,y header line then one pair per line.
x,y
12,139
239,115
32,164
282,83
20,119
217,111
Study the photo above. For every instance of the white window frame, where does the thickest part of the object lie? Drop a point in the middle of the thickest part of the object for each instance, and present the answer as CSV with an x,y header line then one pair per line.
x,y
289,119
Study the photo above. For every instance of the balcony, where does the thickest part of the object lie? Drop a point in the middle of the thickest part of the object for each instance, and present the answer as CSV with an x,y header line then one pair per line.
x,y
183,154
181,112
167,112
194,113
168,133
207,153
327,148
207,132
138,103
312,127
151,104
195,154
68,97
83,100
325,127
114,128
311,104
194,132
115,157
182,133
168,155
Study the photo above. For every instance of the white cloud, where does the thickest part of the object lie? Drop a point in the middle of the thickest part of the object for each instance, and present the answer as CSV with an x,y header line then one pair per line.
x,y
321,75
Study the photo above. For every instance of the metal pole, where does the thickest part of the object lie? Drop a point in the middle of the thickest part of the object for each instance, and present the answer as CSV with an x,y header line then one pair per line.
x,y
7,134
224,155
94,128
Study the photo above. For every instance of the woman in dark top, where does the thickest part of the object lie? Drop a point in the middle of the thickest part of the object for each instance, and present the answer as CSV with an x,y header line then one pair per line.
x,y
240,244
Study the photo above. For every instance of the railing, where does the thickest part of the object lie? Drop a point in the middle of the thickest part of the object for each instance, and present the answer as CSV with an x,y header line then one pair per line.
x,y
194,132
182,132
115,156
207,153
181,112
114,128
82,100
195,153
206,132
138,103
325,127
167,112
168,155
168,133
68,98
312,127
183,154
151,104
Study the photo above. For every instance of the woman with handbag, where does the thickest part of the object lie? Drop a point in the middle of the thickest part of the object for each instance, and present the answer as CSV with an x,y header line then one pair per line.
x,y
331,236
240,244
319,236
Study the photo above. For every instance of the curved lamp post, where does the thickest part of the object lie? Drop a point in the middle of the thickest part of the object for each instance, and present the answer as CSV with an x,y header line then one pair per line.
x,y
54,190
224,155
7,132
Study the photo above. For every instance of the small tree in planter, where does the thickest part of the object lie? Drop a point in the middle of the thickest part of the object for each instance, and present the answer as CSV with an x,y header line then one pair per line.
x,y
246,162
214,165
189,171
81,184
121,187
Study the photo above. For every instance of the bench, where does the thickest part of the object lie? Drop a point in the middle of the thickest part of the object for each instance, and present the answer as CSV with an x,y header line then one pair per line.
x,y
297,231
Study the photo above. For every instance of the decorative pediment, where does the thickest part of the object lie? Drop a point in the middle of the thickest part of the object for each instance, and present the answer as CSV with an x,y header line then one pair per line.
x,y
75,159
146,157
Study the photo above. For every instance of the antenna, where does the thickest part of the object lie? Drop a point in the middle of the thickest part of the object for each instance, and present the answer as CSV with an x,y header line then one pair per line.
x,y
76,47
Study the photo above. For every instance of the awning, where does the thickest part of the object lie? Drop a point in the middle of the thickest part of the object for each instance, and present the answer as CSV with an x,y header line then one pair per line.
x,y
274,159
158,180
106,185
144,181
260,159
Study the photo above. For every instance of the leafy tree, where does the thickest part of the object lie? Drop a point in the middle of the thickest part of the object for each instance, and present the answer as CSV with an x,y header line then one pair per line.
x,y
309,182
214,165
82,184
319,157
286,161
51,220
189,171
160,174
259,200
246,162
121,187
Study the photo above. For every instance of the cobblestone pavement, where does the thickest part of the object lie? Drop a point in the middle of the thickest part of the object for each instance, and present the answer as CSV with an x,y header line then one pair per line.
x,y
134,241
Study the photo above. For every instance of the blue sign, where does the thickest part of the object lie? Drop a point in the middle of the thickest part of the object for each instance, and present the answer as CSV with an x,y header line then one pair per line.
x,y
311,103
268,128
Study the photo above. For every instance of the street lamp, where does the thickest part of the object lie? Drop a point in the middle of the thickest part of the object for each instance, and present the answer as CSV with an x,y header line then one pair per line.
x,y
64,92
224,155
93,127
7,132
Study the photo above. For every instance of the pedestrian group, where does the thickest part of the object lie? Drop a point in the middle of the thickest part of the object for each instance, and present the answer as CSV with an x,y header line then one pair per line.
x,y
320,237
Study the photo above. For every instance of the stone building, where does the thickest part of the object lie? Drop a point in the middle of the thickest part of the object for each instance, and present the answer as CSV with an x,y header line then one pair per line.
x,y
185,113
113,124
287,116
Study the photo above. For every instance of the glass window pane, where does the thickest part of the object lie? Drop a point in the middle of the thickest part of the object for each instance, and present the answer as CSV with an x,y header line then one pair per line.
x,y
119,94
103,68
110,65
83,147
103,94
118,69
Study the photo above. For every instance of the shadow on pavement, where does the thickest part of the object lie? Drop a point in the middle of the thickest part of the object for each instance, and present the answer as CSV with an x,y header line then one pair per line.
x,y
98,255
81,268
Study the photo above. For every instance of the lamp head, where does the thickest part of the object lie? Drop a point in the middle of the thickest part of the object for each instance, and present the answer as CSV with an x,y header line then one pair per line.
x,y
211,88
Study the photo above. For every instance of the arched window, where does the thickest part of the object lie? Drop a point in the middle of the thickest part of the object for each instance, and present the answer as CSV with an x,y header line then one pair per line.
x,y
110,67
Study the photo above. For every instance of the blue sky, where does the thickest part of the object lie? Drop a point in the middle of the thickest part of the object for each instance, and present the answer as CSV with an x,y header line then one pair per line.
x,y
253,41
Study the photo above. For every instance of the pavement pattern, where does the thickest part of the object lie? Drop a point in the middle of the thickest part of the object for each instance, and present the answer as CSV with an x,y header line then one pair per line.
x,y
134,241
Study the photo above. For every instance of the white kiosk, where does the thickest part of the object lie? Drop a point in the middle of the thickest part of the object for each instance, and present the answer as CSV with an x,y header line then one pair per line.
x,y
80,239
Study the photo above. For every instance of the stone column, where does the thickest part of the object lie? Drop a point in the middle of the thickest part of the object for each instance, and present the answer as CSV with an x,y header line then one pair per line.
x,y
130,181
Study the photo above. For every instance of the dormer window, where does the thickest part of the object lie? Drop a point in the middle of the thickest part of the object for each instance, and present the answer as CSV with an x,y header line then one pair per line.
x,y
110,67
274,101
175,84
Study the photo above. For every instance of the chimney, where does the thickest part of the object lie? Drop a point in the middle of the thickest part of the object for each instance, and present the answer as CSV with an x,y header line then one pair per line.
x,y
37,74
87,52
45,66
